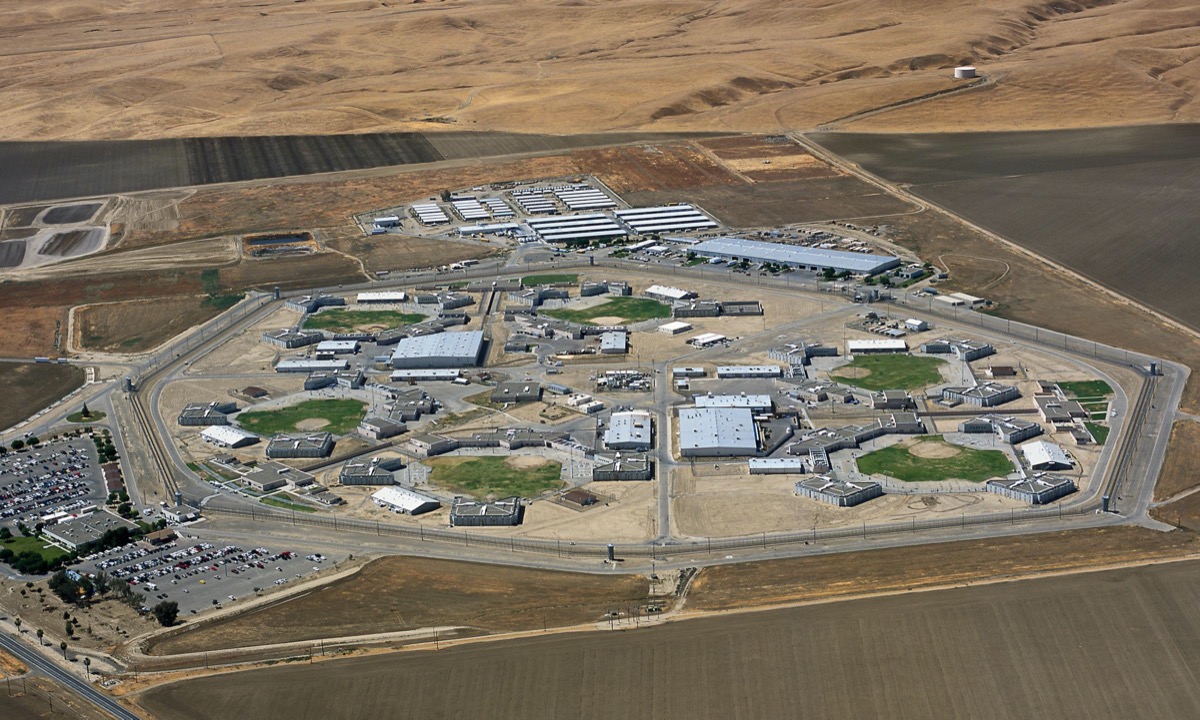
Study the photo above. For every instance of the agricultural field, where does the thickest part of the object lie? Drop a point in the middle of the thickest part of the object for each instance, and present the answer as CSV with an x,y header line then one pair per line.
x,y
929,458
404,593
924,651
496,476
617,310
1108,203
890,372
336,416
138,326
29,387
341,320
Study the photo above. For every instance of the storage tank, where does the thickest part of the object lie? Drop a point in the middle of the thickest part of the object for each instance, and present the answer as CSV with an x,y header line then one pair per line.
x,y
964,72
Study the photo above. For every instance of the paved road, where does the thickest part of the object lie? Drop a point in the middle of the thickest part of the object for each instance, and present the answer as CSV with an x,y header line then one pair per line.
x,y
35,659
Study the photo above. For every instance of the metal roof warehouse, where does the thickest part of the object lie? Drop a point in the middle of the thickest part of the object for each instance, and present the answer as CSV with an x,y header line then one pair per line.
x,y
796,255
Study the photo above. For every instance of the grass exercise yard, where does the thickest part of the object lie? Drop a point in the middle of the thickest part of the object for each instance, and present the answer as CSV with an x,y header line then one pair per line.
x,y
339,416
629,309
344,320
1086,388
19,544
550,279
890,372
1098,431
931,459
496,476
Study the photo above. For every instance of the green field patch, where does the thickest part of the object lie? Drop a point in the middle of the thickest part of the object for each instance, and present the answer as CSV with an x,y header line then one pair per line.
x,y
550,279
93,416
1099,432
933,464
342,416
1091,389
20,544
628,309
496,476
890,372
345,320
276,502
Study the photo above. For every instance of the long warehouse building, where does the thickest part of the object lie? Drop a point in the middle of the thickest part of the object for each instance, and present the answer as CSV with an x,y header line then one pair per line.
x,y
796,255
442,350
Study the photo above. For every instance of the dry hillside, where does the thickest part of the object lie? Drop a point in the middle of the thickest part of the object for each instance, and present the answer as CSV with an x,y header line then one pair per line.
x,y
143,68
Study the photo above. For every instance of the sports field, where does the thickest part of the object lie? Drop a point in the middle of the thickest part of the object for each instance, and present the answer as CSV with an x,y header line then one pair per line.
x,y
1130,638
550,279
931,459
890,372
625,309
1086,388
336,416
496,476
340,320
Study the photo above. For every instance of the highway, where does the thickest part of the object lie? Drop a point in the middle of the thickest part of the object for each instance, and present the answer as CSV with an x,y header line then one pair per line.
x,y
35,660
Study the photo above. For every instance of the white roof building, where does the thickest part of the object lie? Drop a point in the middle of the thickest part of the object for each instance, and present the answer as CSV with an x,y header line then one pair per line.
x,y
401,499
757,403
856,347
1042,455
228,436
629,430
675,327
443,350
717,432
668,293
338,347
382,297
706,339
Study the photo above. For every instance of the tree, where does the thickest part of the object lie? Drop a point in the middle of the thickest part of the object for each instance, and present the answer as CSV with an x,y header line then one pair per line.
x,y
63,646
18,444
5,533
87,665
70,629
167,612
85,413
39,635
34,441
17,622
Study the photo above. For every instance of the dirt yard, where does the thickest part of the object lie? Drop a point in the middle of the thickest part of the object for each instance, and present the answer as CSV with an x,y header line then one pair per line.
x,y
400,593
27,388
1181,470
132,327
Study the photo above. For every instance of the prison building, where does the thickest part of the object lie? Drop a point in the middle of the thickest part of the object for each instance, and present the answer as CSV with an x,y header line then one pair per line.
x,y
758,403
426,375
775,466
269,476
987,394
717,432
633,466
876,346
797,256
469,209
576,228
915,325
338,347
80,533
228,436
293,445
468,512
749,371
1040,489
429,445
614,343
517,392
630,430
674,328
430,214
891,400
741,307
389,297
1059,412
688,372
443,350
1042,455
591,289
377,428
311,303
533,201
1011,430
903,423
967,350
696,309
320,380
518,344
583,197
404,500
205,414
375,471
292,338
667,218
842,493
668,293
815,391
310,365
386,221
409,404
497,207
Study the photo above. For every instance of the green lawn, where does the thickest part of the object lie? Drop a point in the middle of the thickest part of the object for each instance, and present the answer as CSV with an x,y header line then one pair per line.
x,y
345,320
1099,432
276,502
890,372
343,416
629,309
93,416
550,279
1086,388
969,464
493,476
19,544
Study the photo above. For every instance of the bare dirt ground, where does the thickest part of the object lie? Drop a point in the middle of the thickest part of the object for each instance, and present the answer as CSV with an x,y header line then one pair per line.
x,y
326,66
27,388
39,697
1181,470
393,252
399,593
132,327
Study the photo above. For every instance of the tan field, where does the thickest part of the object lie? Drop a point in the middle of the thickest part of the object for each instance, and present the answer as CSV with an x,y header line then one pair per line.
x,y
139,69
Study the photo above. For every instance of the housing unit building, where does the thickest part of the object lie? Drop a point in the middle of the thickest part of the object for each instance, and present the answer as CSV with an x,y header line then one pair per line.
x,y
1038,489
293,445
987,394
1059,412
377,471
842,493
891,400
292,338
205,414
269,476
967,350
632,466
469,512
517,392
1011,430
378,428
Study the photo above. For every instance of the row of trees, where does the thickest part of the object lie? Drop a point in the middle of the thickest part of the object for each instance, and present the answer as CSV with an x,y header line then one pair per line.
x,y
19,445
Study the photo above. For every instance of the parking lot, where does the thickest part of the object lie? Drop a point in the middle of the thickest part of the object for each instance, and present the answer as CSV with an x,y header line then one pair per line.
x,y
58,477
201,575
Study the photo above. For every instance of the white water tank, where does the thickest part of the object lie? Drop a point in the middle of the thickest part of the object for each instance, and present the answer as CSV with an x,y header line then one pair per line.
x,y
964,72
